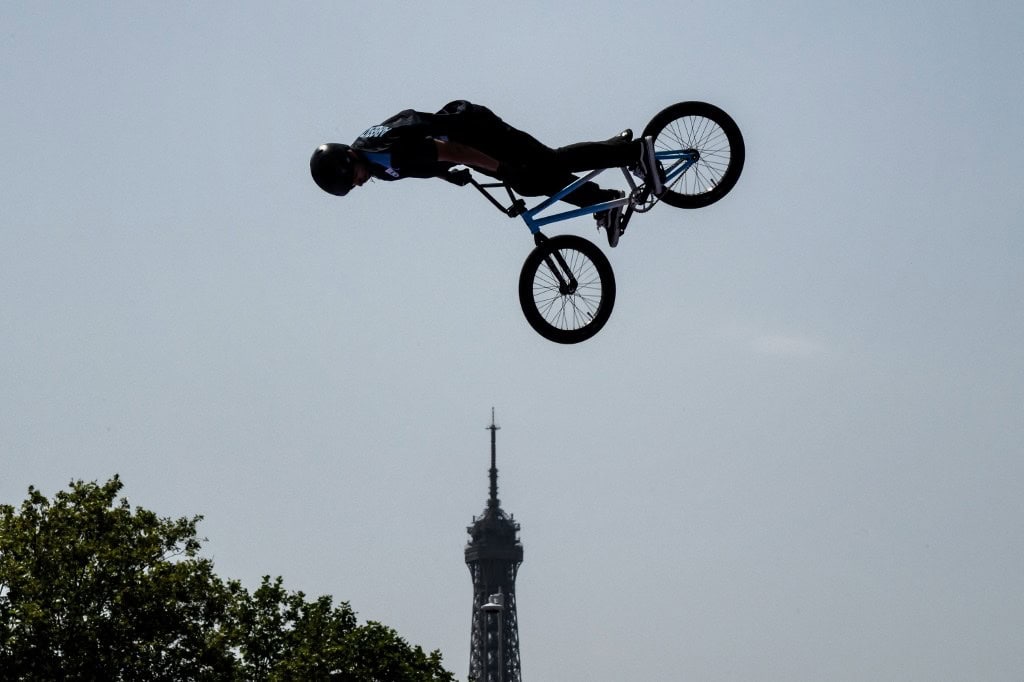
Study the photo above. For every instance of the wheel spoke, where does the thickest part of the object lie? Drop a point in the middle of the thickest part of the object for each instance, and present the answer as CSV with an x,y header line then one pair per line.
x,y
711,142
574,310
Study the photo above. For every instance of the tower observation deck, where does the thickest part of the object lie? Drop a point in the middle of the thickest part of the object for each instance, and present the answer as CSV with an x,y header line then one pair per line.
x,y
493,556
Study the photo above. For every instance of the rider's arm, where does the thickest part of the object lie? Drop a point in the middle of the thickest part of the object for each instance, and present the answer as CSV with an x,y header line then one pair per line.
x,y
453,152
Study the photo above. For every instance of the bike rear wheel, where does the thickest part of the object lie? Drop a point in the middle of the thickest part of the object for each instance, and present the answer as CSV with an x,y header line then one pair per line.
x,y
711,133
567,289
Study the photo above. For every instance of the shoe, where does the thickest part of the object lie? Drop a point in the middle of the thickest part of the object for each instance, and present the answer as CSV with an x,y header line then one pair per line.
x,y
611,221
649,169
625,136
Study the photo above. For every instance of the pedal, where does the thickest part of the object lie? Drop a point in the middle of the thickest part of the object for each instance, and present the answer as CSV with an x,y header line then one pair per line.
x,y
624,219
652,167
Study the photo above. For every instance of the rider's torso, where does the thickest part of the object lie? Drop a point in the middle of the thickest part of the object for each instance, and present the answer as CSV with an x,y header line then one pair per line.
x,y
402,146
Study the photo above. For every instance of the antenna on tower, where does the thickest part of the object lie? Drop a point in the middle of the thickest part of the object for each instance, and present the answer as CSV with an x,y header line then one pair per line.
x,y
493,428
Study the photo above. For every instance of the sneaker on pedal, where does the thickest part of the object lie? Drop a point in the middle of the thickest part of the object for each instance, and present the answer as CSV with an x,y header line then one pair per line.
x,y
611,221
625,136
649,169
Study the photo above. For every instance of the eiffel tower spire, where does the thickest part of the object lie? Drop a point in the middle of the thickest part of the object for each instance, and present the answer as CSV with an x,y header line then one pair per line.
x,y
493,556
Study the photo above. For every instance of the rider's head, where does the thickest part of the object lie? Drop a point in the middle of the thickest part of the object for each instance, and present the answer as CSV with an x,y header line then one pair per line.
x,y
334,168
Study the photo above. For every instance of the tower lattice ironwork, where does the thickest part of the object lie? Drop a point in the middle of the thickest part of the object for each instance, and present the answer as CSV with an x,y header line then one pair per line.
x,y
493,556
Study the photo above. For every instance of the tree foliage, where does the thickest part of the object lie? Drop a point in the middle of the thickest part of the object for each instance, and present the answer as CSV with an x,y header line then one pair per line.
x,y
92,589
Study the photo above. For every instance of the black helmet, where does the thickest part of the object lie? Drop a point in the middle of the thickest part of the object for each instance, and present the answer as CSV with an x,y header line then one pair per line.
x,y
332,168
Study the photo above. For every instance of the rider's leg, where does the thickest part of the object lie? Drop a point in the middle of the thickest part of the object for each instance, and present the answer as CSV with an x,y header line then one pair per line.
x,y
613,153
547,182
479,127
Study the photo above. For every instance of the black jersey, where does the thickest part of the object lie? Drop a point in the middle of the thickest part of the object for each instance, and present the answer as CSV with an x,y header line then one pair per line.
x,y
403,146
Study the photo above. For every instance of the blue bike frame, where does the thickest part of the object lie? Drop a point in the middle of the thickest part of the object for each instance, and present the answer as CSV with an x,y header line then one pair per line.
x,y
683,160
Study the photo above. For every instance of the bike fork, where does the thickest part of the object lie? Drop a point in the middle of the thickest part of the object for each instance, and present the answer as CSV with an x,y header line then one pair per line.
x,y
560,270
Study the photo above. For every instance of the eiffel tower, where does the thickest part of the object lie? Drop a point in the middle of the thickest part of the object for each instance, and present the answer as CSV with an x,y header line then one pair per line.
x,y
493,556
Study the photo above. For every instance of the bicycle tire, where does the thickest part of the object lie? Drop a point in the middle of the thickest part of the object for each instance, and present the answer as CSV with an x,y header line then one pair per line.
x,y
716,137
567,316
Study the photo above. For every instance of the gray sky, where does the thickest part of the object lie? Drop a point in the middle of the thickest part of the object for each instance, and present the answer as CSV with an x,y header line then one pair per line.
x,y
794,453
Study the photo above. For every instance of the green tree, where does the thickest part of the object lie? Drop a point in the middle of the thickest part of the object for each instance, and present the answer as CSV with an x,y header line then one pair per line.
x,y
90,589
93,590
283,636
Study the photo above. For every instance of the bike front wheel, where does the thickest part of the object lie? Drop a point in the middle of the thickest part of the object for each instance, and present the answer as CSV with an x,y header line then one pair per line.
x,y
567,289
702,151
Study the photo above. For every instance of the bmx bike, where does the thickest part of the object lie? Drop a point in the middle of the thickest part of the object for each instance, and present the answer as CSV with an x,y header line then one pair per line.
x,y
566,285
